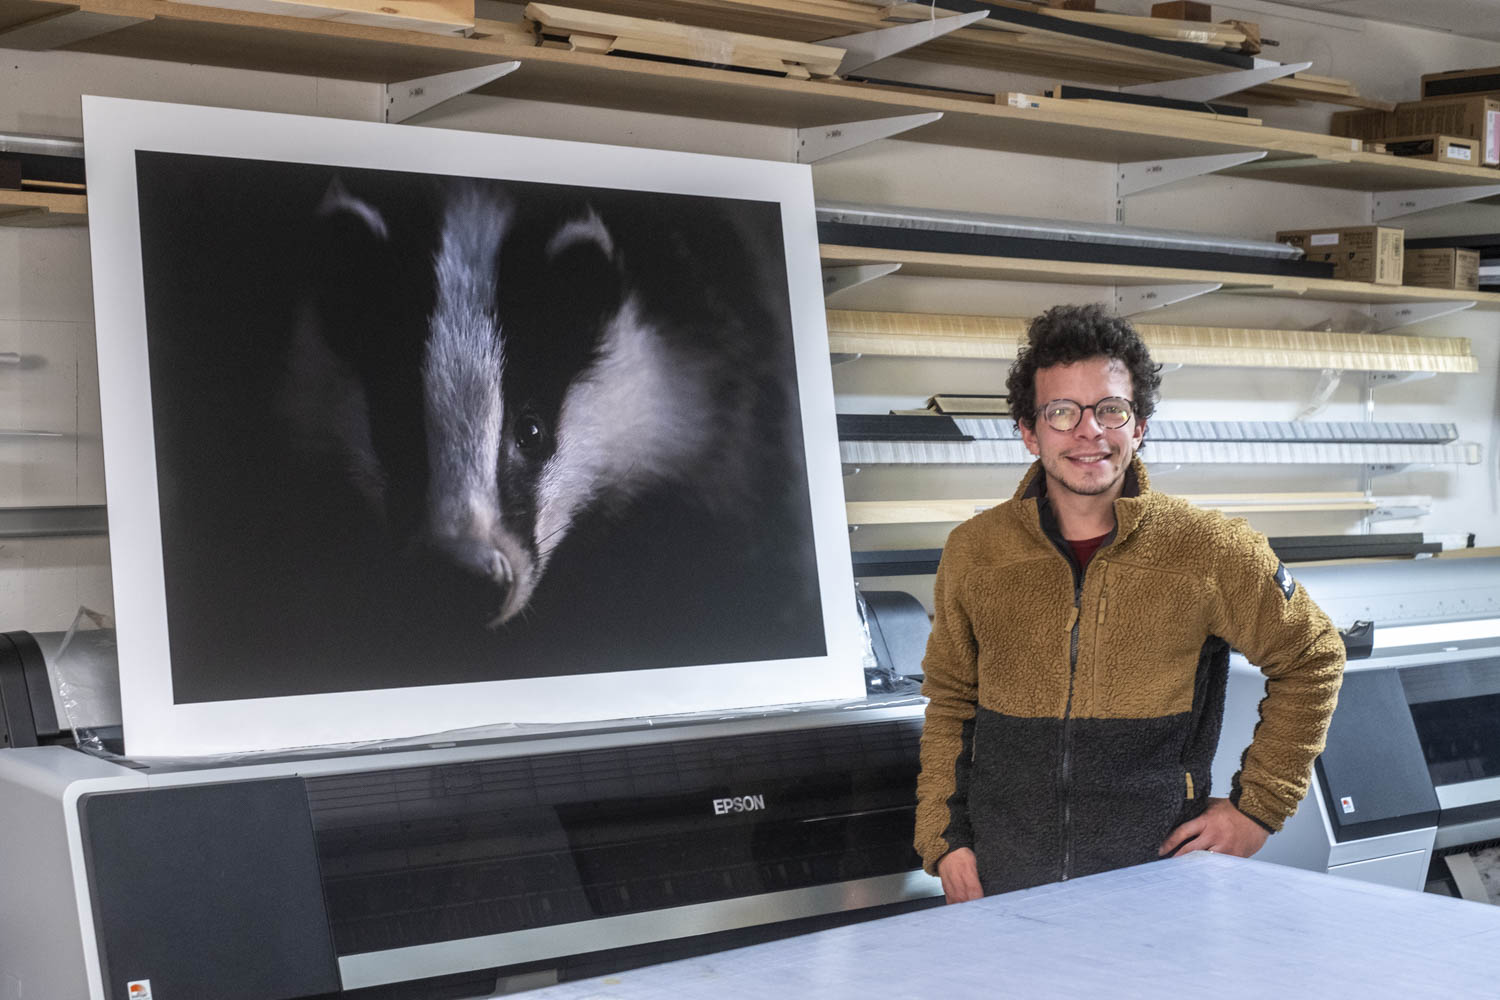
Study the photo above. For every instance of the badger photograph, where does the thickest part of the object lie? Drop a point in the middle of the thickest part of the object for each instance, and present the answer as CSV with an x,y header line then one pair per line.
x,y
415,429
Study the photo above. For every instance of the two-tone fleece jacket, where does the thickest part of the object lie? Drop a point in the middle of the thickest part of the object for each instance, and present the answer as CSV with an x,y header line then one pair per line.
x,y
1074,714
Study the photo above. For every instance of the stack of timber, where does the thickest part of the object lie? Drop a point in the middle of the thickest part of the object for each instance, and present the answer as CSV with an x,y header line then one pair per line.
x,y
590,31
1011,40
998,338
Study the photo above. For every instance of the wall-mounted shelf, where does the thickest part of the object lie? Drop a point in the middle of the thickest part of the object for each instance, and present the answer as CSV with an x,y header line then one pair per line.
x,y
37,208
996,338
953,265
893,512
153,29
862,453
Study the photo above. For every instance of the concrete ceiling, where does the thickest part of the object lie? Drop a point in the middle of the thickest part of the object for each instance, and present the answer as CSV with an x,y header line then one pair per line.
x,y
1470,18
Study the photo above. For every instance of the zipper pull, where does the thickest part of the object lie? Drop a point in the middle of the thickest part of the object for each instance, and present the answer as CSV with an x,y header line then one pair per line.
x,y
1072,618
1100,619
1189,783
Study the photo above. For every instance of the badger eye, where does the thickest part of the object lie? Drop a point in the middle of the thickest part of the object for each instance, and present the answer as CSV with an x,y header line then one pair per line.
x,y
529,434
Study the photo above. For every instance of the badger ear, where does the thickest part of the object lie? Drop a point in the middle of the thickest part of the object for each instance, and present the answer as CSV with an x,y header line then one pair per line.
x,y
352,269
338,202
582,257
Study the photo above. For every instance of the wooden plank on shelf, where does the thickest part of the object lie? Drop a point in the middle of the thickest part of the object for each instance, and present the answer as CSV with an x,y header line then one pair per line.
x,y
612,32
445,17
59,28
42,208
998,338
952,265
1207,127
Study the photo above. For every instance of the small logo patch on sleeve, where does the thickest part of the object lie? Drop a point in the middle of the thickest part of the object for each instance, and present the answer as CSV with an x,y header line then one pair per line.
x,y
1284,581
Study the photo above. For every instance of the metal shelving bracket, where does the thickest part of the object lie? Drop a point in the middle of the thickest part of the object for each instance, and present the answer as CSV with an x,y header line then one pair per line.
x,y
837,279
1390,204
814,144
1393,315
1206,88
1400,508
410,97
1131,300
1143,175
865,47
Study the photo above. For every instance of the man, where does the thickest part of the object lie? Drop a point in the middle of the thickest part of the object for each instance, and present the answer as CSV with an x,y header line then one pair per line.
x,y
1080,645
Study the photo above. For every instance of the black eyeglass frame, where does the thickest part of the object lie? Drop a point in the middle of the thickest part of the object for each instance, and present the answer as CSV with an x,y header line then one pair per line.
x,y
1129,406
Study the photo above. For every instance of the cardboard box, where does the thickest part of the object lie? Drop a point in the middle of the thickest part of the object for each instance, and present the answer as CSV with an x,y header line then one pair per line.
x,y
1449,267
1441,148
1485,80
1183,10
1358,253
1476,117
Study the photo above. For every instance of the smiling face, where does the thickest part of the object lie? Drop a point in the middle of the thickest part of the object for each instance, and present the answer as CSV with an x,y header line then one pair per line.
x,y
1088,460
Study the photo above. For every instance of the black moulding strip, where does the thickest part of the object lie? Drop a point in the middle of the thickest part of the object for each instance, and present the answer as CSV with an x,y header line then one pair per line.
x,y
922,562
1113,36
898,427
942,241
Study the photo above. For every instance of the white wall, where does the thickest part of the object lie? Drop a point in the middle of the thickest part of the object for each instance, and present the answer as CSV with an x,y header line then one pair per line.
x,y
46,310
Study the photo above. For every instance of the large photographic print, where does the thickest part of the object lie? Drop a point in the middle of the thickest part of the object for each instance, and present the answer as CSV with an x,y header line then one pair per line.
x,y
422,448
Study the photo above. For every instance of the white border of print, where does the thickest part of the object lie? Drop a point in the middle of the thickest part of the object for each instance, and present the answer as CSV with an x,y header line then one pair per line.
x,y
154,726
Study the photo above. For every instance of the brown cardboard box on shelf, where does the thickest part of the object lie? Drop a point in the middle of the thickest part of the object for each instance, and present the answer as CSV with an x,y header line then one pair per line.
x,y
1441,267
1358,253
1484,80
1475,117
1183,10
1440,148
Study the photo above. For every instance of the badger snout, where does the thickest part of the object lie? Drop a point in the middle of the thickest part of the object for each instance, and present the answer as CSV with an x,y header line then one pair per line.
x,y
479,558
495,562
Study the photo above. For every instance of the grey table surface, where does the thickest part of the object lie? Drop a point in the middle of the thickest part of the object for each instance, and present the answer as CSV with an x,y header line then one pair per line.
x,y
1201,925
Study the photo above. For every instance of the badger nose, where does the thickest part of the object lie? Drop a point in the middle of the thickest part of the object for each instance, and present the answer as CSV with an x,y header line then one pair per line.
x,y
475,557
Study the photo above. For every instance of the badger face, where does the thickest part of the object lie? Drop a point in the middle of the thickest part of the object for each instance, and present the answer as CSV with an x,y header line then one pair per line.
x,y
547,392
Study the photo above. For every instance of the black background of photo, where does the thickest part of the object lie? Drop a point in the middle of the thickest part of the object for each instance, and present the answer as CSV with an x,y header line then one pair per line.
x,y
280,582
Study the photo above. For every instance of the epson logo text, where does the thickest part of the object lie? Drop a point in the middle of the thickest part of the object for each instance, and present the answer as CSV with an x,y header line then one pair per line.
x,y
739,804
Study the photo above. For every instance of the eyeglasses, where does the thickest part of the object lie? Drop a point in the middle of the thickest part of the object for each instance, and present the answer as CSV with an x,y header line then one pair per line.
x,y
1111,413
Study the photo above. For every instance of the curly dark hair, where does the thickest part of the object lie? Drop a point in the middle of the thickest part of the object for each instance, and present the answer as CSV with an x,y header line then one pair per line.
x,y
1065,334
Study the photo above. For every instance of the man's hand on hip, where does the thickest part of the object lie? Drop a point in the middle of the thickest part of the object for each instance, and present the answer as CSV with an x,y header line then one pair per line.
x,y
1221,828
960,874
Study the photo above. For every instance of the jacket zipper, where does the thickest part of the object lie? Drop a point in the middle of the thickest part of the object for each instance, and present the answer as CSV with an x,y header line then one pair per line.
x,y
1067,733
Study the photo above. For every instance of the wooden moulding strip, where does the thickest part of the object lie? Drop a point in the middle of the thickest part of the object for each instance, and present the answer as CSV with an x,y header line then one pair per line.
x,y
682,41
928,335
888,512
1187,125
453,17
1217,36
42,208
923,263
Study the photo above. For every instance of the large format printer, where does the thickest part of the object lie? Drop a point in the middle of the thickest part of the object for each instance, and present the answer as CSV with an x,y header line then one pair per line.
x,y
440,869
1409,785
444,868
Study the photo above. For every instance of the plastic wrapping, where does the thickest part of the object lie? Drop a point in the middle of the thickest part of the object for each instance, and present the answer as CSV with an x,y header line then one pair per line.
x,y
880,678
84,667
